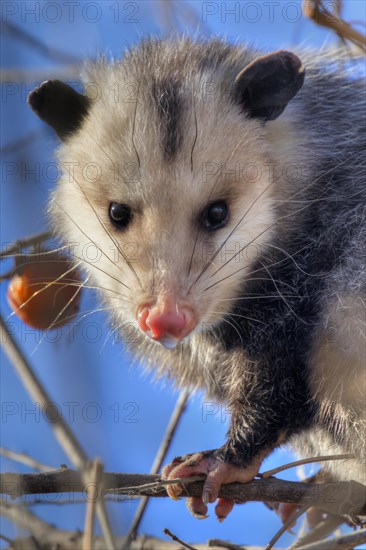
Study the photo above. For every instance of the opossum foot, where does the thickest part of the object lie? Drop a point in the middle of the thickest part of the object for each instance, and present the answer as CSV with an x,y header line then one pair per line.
x,y
217,473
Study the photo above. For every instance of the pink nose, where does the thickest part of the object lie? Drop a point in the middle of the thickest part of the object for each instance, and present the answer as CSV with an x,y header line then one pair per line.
x,y
166,321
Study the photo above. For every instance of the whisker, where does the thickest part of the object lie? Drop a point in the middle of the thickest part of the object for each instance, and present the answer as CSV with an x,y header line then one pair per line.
x,y
291,257
37,292
196,127
249,279
258,270
31,254
259,235
225,320
241,317
134,124
192,255
205,267
273,224
153,276
77,283
57,318
283,298
242,250
82,260
112,331
102,251
109,234
236,227
258,297
89,312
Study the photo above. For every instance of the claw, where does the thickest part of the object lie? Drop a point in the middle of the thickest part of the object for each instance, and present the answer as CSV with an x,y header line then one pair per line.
x,y
223,508
174,491
197,507
216,471
221,518
206,496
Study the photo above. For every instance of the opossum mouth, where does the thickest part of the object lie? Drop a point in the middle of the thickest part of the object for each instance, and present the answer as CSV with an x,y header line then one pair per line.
x,y
168,341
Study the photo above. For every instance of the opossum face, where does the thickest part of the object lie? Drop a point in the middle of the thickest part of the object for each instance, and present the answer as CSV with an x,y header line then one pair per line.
x,y
167,197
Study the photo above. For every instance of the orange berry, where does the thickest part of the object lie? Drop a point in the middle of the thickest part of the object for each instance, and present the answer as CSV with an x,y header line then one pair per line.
x,y
44,293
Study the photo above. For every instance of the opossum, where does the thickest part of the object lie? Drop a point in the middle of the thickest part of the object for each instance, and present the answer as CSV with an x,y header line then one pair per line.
x,y
238,183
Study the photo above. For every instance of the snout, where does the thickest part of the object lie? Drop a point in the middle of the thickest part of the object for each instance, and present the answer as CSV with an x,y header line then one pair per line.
x,y
166,320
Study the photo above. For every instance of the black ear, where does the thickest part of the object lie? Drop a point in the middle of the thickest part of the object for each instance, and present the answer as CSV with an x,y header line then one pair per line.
x,y
267,84
59,106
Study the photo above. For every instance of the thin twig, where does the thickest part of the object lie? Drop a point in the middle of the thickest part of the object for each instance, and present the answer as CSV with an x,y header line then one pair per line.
x,y
322,530
270,473
292,519
21,244
65,501
343,542
180,541
96,474
159,458
14,146
23,458
225,544
63,433
6,539
37,44
26,520
34,76
315,10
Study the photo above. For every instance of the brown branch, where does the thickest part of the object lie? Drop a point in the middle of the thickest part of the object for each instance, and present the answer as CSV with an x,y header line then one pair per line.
x,y
330,497
23,458
343,542
6,539
62,431
19,245
225,544
33,76
176,539
315,10
27,520
14,146
36,44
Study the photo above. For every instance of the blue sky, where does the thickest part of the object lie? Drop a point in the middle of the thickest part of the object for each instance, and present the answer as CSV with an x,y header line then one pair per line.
x,y
116,411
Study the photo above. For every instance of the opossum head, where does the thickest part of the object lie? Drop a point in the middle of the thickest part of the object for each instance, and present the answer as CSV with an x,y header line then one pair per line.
x,y
167,191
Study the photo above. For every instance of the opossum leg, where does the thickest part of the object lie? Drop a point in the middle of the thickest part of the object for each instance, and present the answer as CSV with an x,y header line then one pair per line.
x,y
217,473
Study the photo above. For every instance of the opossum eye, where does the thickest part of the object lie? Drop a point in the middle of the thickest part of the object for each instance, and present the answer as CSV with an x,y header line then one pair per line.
x,y
120,214
215,215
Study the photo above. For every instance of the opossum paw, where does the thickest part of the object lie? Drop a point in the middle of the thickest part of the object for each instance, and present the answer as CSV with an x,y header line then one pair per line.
x,y
217,473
